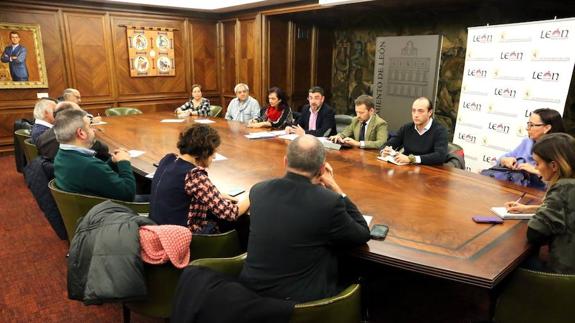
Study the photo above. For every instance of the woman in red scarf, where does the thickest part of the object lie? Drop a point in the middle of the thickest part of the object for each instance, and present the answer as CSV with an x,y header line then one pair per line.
x,y
277,115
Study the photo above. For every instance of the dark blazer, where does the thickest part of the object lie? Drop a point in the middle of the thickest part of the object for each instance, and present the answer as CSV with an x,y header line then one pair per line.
x,y
296,228
325,121
36,131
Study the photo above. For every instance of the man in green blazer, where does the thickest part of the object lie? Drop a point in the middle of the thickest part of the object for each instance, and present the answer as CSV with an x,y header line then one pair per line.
x,y
367,130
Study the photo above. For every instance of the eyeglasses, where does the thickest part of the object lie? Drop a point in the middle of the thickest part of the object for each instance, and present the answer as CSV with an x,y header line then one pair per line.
x,y
531,125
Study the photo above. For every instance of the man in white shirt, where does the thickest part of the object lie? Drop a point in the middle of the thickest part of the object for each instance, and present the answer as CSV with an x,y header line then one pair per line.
x,y
243,108
44,118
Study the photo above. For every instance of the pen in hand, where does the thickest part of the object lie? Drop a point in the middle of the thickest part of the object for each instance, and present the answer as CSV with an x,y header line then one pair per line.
x,y
520,198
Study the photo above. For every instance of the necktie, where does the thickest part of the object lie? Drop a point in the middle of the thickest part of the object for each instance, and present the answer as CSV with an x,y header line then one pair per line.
x,y
362,131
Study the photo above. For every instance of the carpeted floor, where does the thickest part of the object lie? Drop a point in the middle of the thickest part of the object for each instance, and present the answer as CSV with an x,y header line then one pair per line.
x,y
33,262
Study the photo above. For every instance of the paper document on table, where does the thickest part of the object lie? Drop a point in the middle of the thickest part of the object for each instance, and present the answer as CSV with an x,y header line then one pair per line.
x,y
150,175
502,213
136,153
260,135
173,120
367,218
390,160
328,143
204,121
219,157
290,136
98,123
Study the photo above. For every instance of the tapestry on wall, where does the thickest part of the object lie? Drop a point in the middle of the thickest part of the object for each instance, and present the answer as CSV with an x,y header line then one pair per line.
x,y
151,51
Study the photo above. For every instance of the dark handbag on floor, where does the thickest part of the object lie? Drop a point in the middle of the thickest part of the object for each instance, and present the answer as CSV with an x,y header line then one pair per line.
x,y
517,177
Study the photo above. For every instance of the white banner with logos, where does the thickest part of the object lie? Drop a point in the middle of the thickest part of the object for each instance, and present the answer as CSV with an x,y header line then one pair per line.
x,y
510,70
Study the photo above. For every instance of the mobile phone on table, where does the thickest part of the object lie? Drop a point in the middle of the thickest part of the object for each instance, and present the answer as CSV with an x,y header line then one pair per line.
x,y
487,219
379,231
236,191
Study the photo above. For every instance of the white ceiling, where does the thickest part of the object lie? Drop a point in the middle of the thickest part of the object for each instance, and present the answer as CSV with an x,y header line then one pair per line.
x,y
201,5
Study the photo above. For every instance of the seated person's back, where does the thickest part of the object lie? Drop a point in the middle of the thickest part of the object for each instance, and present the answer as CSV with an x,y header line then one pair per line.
x,y
296,227
77,170
182,193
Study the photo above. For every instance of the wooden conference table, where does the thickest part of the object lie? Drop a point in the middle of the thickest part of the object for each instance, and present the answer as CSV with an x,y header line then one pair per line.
x,y
428,209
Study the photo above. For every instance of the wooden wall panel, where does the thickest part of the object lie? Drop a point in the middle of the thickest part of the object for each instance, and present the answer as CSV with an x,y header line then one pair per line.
x,y
302,65
89,59
147,87
278,54
324,61
204,36
247,56
229,57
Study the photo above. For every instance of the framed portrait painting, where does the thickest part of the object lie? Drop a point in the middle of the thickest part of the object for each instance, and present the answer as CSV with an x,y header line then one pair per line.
x,y
22,62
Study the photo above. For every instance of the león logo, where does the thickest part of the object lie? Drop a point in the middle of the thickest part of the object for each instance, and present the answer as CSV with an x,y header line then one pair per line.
x,y
555,34
472,106
485,38
545,76
506,93
511,56
467,137
478,73
499,127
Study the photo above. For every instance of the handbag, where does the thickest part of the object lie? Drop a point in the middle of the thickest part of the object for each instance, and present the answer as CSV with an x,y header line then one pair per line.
x,y
517,177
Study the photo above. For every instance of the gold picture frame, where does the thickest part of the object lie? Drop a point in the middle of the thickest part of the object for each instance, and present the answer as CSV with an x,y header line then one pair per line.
x,y
22,66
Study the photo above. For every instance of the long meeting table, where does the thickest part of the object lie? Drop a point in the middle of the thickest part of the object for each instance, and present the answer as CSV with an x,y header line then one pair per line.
x,y
428,209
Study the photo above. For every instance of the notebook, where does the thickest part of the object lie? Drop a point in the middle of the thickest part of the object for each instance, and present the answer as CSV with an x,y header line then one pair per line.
x,y
502,213
390,159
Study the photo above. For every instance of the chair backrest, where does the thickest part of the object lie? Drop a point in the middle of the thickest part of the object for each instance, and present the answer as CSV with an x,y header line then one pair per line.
x,y
342,121
122,111
455,156
21,135
532,296
344,307
162,280
30,150
215,110
73,206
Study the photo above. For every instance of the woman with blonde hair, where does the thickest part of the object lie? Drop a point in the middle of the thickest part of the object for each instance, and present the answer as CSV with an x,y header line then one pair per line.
x,y
554,221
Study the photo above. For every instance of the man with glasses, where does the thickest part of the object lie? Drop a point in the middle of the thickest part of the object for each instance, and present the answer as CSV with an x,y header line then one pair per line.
x,y
243,108
78,170
48,145
317,118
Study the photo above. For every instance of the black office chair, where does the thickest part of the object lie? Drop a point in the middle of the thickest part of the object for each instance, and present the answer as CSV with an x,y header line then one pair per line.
x,y
342,121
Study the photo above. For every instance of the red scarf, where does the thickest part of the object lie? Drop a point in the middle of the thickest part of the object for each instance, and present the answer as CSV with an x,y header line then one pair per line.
x,y
273,113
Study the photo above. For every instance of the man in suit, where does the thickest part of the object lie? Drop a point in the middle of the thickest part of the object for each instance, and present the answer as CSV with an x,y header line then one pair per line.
x,y
44,118
424,141
317,118
297,223
367,129
15,56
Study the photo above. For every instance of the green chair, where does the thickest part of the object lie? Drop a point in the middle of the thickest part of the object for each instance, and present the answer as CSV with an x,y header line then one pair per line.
x,y
122,111
73,206
215,110
161,280
30,150
21,135
344,307
531,296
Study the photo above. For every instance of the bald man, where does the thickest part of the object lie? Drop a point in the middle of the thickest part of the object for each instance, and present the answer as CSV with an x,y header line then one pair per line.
x,y
424,141
297,222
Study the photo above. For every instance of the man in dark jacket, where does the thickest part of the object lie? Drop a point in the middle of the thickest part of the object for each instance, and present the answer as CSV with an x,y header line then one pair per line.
x,y
317,118
297,223
104,262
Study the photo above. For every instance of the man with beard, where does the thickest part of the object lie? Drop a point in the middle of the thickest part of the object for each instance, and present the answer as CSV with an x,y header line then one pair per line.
x,y
78,170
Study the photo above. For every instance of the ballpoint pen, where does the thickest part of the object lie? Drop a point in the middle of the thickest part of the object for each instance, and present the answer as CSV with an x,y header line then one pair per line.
x,y
522,196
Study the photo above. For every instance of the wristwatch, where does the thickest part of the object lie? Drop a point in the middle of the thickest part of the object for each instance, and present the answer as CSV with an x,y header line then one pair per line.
x,y
411,158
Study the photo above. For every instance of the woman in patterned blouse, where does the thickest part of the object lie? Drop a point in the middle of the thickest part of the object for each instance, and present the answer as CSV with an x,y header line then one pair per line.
x,y
196,106
182,192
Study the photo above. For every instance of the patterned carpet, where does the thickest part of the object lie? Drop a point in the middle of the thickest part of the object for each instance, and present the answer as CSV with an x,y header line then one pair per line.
x,y
33,263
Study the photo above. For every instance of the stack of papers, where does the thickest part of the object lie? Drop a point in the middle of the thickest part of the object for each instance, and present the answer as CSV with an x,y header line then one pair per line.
x,y
329,144
266,134
173,120
390,159
502,213
136,153
291,136
204,121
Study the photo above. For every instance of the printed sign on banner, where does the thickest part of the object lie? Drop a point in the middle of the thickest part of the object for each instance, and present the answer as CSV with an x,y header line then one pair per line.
x,y
511,70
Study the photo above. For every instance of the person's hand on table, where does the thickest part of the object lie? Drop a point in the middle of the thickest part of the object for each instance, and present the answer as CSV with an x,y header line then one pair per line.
x,y
120,154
